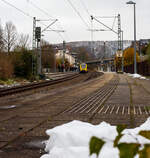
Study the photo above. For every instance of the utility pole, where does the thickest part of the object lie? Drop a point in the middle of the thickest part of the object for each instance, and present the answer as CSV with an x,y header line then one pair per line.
x,y
122,54
135,64
64,51
36,55
36,43
33,48
34,40
119,33
92,34
119,42
104,49
38,38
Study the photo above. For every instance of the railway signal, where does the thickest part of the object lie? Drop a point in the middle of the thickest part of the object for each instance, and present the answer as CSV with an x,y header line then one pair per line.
x,y
38,33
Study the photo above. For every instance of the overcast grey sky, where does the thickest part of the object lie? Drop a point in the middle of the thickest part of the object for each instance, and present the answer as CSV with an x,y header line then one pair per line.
x,y
69,20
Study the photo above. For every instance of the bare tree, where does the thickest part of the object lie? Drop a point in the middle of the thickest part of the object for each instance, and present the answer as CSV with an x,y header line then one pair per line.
x,y
23,41
10,36
44,43
48,56
1,39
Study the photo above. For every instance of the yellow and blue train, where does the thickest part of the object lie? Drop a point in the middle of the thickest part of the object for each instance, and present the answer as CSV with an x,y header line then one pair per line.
x,y
83,68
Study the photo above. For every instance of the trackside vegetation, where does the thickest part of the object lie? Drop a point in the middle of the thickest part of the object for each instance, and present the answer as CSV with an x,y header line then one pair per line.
x,y
126,150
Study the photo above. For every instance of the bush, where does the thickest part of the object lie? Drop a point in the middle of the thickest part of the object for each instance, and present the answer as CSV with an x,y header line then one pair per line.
x,y
23,63
6,66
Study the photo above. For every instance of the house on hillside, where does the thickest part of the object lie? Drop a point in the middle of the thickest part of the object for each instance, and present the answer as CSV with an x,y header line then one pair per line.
x,y
71,59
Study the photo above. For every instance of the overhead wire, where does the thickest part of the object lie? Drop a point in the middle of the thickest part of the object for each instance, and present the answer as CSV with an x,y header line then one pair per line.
x,y
52,18
17,9
48,15
114,22
26,14
74,8
42,10
86,9
105,25
107,17
52,30
64,33
84,6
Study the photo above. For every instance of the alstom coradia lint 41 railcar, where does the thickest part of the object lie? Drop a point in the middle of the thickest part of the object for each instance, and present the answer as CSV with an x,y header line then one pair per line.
x,y
83,68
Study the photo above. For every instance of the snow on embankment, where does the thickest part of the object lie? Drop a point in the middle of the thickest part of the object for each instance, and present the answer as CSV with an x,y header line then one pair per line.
x,y
71,140
137,76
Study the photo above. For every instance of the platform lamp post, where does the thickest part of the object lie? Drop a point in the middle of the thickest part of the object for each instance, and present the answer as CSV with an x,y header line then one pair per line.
x,y
135,64
122,53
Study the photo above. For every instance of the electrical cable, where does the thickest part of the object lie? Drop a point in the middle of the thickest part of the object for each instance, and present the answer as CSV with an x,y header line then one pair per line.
x,y
47,14
52,29
49,26
114,22
78,13
51,18
61,28
105,25
26,14
17,9
84,6
43,11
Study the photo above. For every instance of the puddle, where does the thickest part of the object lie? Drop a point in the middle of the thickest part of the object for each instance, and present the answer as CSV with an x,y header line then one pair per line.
x,y
9,107
36,144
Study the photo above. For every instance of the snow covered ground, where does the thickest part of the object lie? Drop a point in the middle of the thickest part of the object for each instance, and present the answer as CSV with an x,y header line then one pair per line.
x,y
71,140
9,86
137,76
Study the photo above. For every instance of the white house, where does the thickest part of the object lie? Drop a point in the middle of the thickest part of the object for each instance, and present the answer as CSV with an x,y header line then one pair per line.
x,y
68,56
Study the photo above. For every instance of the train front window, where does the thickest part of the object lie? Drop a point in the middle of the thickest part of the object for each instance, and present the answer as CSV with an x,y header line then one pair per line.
x,y
83,66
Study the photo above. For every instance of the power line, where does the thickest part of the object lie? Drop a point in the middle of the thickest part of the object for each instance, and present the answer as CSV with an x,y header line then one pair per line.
x,y
52,30
64,33
47,14
42,10
84,6
26,14
17,8
114,22
78,13
107,17
49,25
104,24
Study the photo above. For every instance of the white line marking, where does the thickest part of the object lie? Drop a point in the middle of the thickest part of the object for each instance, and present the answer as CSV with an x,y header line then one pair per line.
x,y
106,110
134,110
112,109
101,110
140,110
128,110
117,110
95,109
123,109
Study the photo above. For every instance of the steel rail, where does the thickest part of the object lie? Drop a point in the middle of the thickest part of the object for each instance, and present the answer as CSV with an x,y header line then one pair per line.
x,y
31,86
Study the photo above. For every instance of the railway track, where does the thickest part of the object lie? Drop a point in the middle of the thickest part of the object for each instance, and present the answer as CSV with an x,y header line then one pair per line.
x,y
114,102
31,86
28,120
93,103
100,106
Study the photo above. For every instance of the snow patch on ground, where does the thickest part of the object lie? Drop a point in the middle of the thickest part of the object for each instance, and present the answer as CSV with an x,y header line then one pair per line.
x,y
9,86
71,140
137,76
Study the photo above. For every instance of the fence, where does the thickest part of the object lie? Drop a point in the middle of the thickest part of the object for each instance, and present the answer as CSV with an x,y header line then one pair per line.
x,y
143,68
